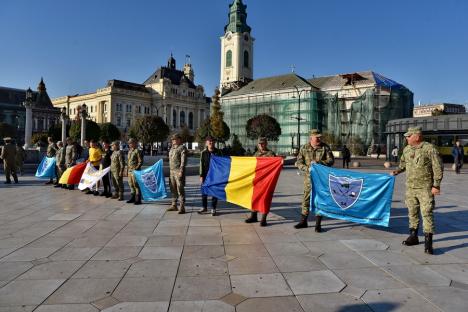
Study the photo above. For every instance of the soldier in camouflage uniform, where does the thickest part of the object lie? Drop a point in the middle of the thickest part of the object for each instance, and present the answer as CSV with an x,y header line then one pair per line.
x,y
424,172
20,156
60,162
135,161
51,151
262,151
70,157
314,152
117,170
9,160
177,163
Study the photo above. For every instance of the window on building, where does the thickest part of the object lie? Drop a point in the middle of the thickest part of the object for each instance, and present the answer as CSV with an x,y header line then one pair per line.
x,y
182,118
129,122
129,108
139,109
174,117
229,58
119,121
118,107
190,120
246,59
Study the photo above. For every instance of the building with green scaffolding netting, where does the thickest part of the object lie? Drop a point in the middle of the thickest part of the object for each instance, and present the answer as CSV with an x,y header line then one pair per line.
x,y
350,109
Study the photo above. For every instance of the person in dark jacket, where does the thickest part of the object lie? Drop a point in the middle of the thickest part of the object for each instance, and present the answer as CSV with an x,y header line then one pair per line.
x,y
458,153
205,157
346,156
105,163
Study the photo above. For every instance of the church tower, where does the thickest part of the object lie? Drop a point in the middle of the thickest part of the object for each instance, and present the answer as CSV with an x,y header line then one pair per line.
x,y
236,49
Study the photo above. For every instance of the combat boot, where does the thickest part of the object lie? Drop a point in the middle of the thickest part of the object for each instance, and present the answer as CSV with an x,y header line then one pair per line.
x,y
121,197
263,221
412,238
115,196
303,223
318,224
173,207
137,200
428,243
253,217
131,200
182,209
203,210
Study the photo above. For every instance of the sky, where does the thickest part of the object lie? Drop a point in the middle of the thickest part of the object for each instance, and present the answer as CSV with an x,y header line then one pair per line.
x,y
77,46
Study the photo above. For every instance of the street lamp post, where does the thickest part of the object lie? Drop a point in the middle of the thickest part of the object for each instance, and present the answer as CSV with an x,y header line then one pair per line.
x,y
298,116
64,119
84,115
28,105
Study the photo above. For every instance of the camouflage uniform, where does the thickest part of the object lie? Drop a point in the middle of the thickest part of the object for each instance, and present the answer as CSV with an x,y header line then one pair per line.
x,y
9,161
135,161
70,155
307,154
51,150
265,153
424,170
117,170
60,162
177,163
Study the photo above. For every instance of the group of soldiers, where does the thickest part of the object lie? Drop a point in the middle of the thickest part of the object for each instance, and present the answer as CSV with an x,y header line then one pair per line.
x,y
420,160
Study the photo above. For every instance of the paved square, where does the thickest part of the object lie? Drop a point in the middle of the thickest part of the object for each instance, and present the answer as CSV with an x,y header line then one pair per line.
x,y
66,251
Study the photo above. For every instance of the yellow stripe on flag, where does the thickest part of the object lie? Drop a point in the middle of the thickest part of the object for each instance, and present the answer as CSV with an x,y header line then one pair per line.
x,y
65,176
239,189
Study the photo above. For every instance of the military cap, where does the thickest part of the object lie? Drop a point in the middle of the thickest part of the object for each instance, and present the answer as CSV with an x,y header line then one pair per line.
x,y
176,136
315,133
262,140
7,139
132,140
413,130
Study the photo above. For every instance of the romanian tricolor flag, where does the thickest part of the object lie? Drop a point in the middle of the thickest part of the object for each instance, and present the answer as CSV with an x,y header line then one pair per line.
x,y
245,181
73,174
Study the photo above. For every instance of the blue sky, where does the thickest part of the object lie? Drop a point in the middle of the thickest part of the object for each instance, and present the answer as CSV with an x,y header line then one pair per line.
x,y
78,45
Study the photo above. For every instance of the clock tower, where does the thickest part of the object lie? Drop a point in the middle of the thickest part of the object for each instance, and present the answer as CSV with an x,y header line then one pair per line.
x,y
236,49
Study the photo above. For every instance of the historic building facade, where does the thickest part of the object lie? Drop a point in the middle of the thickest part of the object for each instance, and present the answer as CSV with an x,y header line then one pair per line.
x,y
13,112
427,110
169,93
351,107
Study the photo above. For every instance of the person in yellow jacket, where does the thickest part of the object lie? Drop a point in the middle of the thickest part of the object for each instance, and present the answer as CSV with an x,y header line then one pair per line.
x,y
95,156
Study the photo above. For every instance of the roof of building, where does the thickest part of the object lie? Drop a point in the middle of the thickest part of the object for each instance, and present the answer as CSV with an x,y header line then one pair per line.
x,y
16,97
237,18
365,78
282,82
120,84
174,75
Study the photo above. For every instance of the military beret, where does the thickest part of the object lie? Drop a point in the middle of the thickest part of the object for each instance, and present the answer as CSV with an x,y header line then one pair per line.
x,y
262,140
413,130
176,136
315,133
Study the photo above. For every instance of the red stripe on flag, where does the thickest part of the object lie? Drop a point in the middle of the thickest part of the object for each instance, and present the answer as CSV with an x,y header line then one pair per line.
x,y
266,176
77,172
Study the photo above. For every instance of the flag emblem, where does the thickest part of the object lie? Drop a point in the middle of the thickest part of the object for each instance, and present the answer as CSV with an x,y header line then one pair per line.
x,y
345,191
149,180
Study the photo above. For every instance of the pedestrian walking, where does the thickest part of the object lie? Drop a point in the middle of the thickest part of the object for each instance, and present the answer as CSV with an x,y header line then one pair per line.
x,y
135,161
205,158
346,156
458,154
395,154
177,163
8,155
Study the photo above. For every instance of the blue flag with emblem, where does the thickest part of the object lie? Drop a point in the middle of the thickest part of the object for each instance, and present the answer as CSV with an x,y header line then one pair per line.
x,y
151,182
46,169
352,196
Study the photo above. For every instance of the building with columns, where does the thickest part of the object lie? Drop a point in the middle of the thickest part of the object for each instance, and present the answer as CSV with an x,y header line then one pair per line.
x,y
12,111
169,93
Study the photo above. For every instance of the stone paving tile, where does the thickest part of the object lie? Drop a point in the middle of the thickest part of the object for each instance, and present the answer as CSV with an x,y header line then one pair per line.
x,y
52,270
202,267
145,289
153,268
29,254
332,303
10,270
345,260
200,306
370,278
447,298
104,303
208,239
170,230
15,242
247,250
321,247
72,253
87,241
398,300
384,258
66,308
290,249
455,272
22,308
244,265
260,285
103,269
64,216
117,253
364,244
271,304
299,263
416,275
138,307
315,282
241,238
124,240
83,290
160,253
27,292
201,288
165,241
204,230
203,252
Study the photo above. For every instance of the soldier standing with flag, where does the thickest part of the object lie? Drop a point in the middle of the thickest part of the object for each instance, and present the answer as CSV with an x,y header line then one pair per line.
x,y
177,163
262,151
135,161
424,172
70,157
205,157
59,162
51,151
314,152
117,170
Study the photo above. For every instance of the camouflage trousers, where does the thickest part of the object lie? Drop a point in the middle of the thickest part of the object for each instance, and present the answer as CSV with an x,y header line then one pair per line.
x,y
117,182
177,185
420,200
305,208
59,169
10,169
134,188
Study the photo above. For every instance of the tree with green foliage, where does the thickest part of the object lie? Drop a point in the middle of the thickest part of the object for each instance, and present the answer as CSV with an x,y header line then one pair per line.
x,y
40,139
331,139
263,126
217,119
185,134
7,130
109,131
236,149
356,146
149,129
205,130
93,132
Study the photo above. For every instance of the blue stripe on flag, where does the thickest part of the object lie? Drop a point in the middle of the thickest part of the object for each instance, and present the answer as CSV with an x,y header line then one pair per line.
x,y
46,169
218,177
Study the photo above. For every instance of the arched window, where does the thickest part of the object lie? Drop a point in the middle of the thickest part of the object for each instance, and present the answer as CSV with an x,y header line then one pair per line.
x,y
246,59
190,120
229,58
174,117
182,118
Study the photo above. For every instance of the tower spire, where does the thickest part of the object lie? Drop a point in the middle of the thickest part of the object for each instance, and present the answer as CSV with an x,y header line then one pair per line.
x,y
237,21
